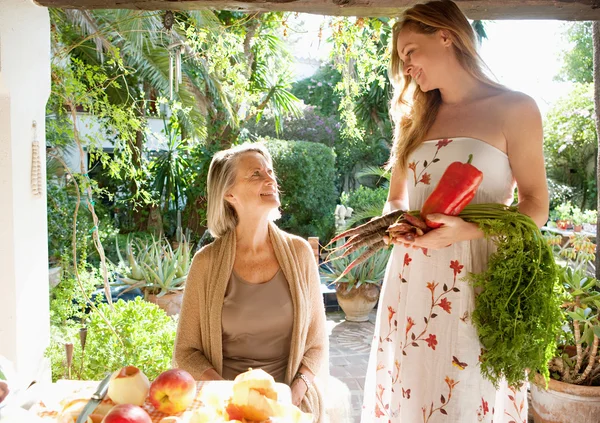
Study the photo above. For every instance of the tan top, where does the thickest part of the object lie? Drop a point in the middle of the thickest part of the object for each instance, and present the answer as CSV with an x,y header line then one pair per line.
x,y
199,342
257,322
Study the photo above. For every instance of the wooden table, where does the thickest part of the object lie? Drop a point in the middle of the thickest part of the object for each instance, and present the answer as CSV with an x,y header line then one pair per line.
x,y
55,396
567,233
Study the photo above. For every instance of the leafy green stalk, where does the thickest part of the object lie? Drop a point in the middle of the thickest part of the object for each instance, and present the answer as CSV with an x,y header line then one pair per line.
x,y
517,313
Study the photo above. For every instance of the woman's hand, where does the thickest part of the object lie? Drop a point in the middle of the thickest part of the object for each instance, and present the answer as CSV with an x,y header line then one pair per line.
x,y
453,229
299,389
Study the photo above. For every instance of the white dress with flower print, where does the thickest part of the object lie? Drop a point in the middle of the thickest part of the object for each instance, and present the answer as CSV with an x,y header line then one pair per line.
x,y
424,363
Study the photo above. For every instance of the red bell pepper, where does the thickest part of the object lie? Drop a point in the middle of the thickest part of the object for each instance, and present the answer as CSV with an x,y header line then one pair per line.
x,y
455,189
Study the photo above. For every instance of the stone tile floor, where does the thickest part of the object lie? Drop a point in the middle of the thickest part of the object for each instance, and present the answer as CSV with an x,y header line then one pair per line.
x,y
349,347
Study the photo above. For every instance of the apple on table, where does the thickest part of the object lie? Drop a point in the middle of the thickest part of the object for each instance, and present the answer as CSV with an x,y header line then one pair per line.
x,y
127,413
129,385
173,391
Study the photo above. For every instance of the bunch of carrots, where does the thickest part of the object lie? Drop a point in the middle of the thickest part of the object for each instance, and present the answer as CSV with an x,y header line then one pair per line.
x,y
454,191
517,314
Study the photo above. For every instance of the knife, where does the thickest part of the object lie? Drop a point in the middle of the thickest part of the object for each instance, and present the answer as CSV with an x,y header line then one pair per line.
x,y
94,400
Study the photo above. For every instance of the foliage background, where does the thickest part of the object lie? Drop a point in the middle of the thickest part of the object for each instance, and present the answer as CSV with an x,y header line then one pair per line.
x,y
306,174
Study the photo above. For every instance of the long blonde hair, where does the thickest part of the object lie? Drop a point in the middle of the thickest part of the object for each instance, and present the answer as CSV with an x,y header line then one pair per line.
x,y
413,118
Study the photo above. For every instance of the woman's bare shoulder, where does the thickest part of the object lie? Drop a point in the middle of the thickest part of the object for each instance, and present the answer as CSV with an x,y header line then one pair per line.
x,y
510,100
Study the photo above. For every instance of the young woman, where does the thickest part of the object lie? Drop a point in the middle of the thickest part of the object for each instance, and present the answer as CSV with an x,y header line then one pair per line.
x,y
424,362
252,297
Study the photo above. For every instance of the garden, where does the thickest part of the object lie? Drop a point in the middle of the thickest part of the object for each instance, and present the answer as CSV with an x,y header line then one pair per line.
x,y
141,101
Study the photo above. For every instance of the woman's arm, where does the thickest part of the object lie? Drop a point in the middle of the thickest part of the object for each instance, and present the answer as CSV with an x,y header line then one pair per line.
x,y
317,347
397,198
522,129
525,139
188,354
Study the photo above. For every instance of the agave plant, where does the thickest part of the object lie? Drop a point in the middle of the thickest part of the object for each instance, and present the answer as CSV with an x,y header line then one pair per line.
x,y
371,271
162,268
156,267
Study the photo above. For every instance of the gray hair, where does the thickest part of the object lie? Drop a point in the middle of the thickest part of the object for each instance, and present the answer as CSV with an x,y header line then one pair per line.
x,y
220,214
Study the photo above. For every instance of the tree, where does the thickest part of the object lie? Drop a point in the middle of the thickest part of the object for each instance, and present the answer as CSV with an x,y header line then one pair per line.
x,y
319,90
234,68
479,28
253,65
571,144
596,69
577,60
136,41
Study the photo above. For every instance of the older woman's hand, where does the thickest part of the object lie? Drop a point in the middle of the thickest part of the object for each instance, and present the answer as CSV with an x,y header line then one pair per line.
x,y
299,389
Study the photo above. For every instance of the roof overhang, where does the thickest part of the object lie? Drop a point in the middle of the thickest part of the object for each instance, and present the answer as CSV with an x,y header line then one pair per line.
x,y
582,10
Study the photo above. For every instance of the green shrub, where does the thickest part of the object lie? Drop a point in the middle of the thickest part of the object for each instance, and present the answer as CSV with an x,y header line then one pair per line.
x,y
147,336
366,203
365,198
67,300
306,175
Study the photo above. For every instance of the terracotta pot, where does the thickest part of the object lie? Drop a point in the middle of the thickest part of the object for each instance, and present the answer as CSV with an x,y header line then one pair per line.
x,y
171,302
358,302
577,228
565,402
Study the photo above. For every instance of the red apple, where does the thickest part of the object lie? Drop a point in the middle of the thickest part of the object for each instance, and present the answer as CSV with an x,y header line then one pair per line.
x,y
3,390
127,413
172,391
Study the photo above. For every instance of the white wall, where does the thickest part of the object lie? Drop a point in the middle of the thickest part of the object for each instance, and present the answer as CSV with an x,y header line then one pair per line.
x,y
24,90
90,131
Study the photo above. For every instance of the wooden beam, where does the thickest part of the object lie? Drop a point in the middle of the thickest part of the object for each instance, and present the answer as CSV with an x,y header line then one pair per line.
x,y
474,9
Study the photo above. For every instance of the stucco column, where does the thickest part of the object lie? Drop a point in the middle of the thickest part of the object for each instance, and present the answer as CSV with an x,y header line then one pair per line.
x,y
24,90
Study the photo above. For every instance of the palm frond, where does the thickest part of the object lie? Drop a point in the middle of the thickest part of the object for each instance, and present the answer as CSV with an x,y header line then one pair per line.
x,y
90,27
204,19
376,171
362,216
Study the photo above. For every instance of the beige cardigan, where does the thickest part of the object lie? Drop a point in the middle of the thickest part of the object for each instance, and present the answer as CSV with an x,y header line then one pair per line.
x,y
198,345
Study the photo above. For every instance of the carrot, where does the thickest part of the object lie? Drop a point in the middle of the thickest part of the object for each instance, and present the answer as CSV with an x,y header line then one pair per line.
x,y
365,241
374,225
416,222
349,241
400,227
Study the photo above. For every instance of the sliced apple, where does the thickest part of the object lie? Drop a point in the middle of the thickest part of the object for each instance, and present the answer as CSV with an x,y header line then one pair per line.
x,y
256,379
128,385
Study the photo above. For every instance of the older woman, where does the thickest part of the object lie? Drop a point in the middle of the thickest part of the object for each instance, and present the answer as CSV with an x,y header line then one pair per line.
x,y
252,297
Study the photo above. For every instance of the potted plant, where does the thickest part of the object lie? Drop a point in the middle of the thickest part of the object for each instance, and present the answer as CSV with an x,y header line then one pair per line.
x,y
357,291
590,219
577,217
159,270
573,391
563,213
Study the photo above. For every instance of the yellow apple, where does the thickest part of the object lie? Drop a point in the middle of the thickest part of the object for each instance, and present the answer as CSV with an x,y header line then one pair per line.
x,y
128,385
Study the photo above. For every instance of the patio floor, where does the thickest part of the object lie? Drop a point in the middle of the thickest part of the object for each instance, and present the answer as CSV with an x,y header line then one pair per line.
x,y
349,347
